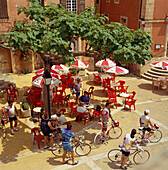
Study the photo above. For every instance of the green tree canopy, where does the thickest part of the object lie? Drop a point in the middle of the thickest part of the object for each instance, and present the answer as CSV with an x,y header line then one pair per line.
x,y
50,31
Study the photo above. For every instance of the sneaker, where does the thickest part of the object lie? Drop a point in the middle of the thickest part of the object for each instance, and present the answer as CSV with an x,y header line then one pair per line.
x,y
12,132
123,167
53,149
46,147
15,129
75,163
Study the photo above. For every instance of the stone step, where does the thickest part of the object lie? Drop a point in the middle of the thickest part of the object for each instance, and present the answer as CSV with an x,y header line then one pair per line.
x,y
158,73
159,70
151,75
146,77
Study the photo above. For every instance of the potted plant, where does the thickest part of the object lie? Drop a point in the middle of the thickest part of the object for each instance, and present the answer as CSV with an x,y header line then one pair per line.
x,y
25,109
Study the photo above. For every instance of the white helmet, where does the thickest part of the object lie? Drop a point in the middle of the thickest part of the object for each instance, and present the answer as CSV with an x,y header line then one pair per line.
x,y
146,112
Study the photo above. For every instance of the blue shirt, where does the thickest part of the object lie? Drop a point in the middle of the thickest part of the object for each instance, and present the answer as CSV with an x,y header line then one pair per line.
x,y
66,134
84,99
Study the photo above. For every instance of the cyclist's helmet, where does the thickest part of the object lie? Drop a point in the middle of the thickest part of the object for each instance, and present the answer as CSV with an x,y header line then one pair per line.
x,y
146,112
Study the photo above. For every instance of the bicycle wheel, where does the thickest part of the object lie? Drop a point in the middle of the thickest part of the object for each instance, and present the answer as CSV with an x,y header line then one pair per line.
x,y
156,137
99,139
83,149
115,155
59,151
138,137
141,157
115,132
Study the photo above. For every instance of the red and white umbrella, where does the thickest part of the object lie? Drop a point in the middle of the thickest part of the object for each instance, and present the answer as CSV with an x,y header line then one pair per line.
x,y
161,64
80,64
60,67
105,63
116,70
38,80
41,71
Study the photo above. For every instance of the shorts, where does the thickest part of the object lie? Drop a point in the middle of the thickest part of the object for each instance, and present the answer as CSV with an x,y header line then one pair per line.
x,y
67,147
78,94
12,118
125,153
49,134
148,129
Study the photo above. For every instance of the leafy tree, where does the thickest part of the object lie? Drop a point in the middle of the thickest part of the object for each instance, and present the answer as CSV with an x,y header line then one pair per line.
x,y
50,31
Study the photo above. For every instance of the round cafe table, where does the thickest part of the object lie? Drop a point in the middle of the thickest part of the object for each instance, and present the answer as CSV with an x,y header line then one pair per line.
x,y
124,95
88,106
37,111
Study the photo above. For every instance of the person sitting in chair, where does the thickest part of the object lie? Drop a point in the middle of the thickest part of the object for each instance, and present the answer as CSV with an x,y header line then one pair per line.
x,y
85,98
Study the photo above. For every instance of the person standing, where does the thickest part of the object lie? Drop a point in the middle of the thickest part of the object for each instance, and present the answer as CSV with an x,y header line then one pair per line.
x,y
46,128
11,114
66,134
78,85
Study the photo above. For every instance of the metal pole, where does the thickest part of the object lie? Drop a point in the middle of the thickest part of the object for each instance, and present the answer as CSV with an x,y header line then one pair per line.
x,y
48,97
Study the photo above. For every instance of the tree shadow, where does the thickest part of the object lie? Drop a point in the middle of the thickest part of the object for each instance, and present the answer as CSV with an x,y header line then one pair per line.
x,y
13,145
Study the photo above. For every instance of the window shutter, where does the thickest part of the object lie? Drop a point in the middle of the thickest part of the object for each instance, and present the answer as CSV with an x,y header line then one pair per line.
x,y
63,3
81,5
3,9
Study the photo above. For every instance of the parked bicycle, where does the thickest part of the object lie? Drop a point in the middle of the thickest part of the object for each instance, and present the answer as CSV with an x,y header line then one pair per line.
x,y
81,148
3,123
139,156
113,132
156,137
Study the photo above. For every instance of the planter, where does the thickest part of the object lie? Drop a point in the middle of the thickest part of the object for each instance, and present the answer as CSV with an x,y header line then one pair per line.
x,y
25,113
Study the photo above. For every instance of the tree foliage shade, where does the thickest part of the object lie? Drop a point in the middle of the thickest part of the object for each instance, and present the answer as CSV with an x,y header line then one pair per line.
x,y
52,29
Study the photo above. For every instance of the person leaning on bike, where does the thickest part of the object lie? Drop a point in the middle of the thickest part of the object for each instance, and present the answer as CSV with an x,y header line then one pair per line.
x,y
66,134
128,141
144,122
105,115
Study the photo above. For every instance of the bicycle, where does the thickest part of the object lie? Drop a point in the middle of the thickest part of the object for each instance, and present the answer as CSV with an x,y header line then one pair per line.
x,y
139,156
3,123
114,133
81,148
156,137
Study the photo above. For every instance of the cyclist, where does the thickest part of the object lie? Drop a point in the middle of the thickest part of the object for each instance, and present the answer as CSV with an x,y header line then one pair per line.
x,y
144,122
11,113
128,141
66,134
105,116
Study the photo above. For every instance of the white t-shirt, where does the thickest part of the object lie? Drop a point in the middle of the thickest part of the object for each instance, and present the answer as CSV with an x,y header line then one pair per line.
x,y
61,119
81,109
145,120
128,142
11,110
78,85
105,113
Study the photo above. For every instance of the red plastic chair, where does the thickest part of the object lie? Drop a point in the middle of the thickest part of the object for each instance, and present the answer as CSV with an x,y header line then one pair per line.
x,y
112,97
66,99
106,85
90,91
97,113
131,96
13,89
58,99
84,116
62,111
123,89
97,79
121,84
63,78
113,78
70,82
130,103
70,75
10,94
37,136
73,109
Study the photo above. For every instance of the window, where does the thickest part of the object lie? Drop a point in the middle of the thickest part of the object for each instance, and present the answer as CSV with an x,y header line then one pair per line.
x,y
116,1
97,1
72,5
3,9
124,20
107,1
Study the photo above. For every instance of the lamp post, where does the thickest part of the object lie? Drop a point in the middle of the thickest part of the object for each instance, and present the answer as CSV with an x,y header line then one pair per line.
x,y
47,81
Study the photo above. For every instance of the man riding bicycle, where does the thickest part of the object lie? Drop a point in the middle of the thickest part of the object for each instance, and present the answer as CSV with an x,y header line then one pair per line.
x,y
105,115
144,122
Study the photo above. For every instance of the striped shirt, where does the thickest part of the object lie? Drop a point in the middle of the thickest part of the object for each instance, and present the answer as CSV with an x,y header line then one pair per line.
x,y
66,134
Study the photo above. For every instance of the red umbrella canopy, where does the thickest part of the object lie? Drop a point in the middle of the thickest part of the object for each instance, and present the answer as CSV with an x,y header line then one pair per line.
x,y
38,80
41,71
161,64
80,64
105,63
60,67
116,70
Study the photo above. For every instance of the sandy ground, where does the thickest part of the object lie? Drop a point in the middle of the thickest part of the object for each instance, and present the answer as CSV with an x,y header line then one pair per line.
x,y
18,151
